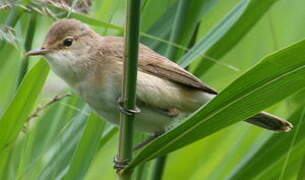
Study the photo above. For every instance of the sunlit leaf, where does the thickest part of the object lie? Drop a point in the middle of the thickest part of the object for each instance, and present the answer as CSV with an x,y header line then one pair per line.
x,y
254,91
226,34
21,106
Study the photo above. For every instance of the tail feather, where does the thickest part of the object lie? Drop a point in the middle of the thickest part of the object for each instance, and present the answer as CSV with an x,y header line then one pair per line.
x,y
263,119
271,122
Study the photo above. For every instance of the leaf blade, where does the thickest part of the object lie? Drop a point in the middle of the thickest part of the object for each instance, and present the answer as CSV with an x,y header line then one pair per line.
x,y
16,114
226,34
86,149
252,92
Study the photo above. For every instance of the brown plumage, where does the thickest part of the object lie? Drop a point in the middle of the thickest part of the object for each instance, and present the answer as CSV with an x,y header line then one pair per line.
x,y
153,63
93,66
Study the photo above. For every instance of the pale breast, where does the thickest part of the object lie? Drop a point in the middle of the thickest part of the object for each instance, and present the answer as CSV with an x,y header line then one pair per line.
x,y
102,97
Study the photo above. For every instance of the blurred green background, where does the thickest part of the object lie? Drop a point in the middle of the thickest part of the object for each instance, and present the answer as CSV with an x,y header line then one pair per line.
x,y
48,146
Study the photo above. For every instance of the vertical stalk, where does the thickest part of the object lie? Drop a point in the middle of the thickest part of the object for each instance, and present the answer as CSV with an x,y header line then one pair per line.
x,y
159,168
141,171
129,86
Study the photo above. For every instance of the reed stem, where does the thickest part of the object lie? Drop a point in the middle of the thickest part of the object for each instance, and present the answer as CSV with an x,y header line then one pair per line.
x,y
129,87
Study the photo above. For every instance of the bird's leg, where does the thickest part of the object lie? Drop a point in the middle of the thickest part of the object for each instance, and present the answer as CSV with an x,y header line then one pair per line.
x,y
151,138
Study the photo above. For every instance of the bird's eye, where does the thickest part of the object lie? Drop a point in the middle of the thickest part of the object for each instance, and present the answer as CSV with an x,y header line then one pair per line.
x,y
68,42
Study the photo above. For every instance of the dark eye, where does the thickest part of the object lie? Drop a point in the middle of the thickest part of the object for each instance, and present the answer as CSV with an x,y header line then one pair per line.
x,y
68,42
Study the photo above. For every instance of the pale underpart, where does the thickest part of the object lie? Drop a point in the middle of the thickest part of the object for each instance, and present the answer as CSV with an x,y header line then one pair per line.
x,y
160,93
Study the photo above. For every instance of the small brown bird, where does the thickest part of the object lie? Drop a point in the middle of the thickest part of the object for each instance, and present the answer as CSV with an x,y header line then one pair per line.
x,y
93,66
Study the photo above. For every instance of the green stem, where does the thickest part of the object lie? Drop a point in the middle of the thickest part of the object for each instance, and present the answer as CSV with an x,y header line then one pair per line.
x,y
27,47
159,168
129,85
141,172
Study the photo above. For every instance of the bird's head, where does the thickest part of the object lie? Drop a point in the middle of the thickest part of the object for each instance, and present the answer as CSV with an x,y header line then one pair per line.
x,y
67,44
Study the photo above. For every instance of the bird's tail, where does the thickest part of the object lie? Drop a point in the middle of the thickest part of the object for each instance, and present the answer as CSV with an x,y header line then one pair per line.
x,y
271,122
263,119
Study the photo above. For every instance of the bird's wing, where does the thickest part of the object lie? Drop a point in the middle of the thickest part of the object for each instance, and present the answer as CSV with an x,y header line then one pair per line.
x,y
157,65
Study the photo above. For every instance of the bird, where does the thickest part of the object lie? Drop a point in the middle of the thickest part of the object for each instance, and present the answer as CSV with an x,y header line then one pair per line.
x,y
92,65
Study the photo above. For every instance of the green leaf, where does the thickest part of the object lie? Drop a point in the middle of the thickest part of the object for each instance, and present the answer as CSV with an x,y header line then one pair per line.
x,y
276,77
301,173
186,24
109,132
59,155
159,30
43,136
17,112
226,34
274,149
87,148
287,166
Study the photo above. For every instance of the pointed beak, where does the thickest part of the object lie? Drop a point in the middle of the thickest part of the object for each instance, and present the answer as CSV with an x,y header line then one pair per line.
x,y
37,52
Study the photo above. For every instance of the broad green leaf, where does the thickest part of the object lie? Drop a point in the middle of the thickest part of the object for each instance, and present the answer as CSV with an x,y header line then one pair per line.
x,y
274,149
226,34
59,155
301,173
287,166
3,163
276,77
40,139
9,61
86,149
21,106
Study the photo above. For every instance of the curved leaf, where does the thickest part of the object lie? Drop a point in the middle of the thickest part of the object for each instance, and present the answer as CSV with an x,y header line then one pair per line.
x,y
16,114
86,149
227,33
188,24
274,78
274,149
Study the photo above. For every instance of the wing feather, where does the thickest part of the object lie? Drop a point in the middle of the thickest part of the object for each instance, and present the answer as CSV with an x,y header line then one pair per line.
x,y
152,63
157,65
